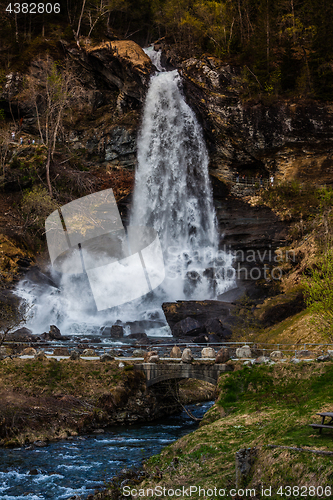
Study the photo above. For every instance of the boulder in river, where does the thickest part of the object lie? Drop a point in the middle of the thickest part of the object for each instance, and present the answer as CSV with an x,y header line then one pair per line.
x,y
55,333
117,332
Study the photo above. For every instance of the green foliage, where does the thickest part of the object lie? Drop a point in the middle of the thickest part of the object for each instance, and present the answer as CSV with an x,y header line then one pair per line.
x,y
319,293
297,200
36,205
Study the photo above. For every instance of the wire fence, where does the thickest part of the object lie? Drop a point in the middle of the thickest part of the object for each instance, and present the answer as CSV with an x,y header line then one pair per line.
x,y
164,348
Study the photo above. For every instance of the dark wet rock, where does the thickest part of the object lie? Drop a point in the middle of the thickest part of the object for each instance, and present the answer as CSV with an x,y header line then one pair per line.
x,y
21,335
138,336
215,326
201,311
40,444
115,331
245,460
38,277
55,333
213,339
187,326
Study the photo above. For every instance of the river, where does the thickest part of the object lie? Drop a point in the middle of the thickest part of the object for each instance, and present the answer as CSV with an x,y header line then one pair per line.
x,y
80,465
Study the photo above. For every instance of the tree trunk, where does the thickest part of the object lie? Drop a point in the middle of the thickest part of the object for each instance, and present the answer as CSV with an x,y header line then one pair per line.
x,y
48,163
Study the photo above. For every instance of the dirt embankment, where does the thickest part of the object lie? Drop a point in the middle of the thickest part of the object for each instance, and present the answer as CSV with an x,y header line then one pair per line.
x,y
48,400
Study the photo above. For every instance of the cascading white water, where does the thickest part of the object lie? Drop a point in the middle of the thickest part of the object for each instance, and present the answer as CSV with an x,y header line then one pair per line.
x,y
173,195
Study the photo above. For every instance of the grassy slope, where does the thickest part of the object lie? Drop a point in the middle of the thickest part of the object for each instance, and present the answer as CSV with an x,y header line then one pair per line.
x,y
257,407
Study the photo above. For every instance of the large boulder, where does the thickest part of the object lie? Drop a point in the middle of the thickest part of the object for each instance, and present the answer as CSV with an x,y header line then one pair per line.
x,y
215,326
55,333
187,326
21,335
117,332
201,311
187,356
175,352
222,356
208,352
243,352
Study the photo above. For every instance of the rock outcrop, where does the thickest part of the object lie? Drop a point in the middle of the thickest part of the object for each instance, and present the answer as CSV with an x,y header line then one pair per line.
x,y
122,64
288,138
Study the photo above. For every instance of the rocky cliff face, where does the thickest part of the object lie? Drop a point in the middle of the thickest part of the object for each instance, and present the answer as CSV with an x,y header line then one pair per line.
x,y
291,139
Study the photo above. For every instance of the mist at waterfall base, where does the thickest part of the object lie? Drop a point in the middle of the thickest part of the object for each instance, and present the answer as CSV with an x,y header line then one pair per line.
x,y
173,195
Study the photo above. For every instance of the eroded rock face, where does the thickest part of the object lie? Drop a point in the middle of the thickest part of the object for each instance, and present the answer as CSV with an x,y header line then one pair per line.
x,y
122,64
288,138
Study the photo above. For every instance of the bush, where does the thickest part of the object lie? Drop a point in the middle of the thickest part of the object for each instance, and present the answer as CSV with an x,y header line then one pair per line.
x,y
36,206
319,293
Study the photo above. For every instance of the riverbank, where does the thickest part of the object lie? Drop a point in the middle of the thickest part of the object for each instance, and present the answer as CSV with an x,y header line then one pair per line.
x,y
264,411
46,400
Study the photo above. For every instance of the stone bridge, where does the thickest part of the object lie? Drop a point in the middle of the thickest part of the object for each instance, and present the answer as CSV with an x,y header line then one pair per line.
x,y
167,371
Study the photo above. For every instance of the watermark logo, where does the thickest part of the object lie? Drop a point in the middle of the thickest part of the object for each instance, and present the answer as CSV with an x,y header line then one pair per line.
x,y
87,236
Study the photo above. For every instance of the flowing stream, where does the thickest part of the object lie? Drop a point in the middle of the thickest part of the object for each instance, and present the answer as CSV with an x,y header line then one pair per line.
x,y
81,465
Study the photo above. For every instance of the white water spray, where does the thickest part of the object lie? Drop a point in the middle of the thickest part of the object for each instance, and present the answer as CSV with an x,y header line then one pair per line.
x,y
173,195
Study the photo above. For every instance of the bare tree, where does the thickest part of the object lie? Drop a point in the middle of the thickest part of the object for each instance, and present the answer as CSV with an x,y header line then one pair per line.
x,y
13,314
51,91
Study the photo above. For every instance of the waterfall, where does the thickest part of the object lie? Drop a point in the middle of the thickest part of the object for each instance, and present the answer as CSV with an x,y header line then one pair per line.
x,y
173,196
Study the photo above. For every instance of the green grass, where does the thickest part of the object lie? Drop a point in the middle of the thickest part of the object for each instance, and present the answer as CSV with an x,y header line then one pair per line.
x,y
264,405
